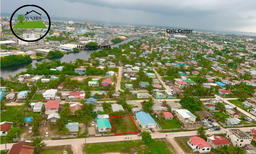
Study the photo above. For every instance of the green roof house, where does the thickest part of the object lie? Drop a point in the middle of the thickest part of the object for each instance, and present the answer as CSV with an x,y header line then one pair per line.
x,y
103,125
143,84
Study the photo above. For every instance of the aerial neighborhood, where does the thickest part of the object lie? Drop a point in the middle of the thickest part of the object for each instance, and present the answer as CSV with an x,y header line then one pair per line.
x,y
195,93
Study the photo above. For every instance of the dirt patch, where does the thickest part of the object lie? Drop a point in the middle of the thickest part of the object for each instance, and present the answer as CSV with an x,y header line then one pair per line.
x,y
92,130
82,128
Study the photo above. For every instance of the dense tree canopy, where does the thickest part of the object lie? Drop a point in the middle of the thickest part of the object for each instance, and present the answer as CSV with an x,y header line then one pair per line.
x,y
14,60
191,103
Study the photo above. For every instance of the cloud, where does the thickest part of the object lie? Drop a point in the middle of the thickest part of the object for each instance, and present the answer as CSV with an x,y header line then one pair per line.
x,y
218,15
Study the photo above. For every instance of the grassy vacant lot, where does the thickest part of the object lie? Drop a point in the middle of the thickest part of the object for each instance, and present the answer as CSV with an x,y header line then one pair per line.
x,y
57,150
129,147
9,113
238,104
168,124
30,24
123,124
38,97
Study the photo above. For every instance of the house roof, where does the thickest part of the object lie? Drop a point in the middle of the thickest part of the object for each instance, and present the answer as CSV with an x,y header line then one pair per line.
x,y
253,130
53,115
199,141
181,82
107,81
220,83
91,100
225,91
5,126
21,148
219,140
52,104
103,122
28,119
166,114
76,93
117,107
185,113
76,106
145,118
72,126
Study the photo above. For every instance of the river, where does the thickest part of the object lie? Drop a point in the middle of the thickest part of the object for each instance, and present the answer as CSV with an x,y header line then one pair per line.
x,y
66,58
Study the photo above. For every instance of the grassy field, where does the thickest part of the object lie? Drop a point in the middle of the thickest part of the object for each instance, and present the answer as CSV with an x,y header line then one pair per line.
x,y
123,124
10,113
57,150
129,147
238,104
38,97
168,124
30,24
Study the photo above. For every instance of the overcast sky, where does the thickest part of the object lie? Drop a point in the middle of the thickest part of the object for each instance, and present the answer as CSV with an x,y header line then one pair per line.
x,y
213,15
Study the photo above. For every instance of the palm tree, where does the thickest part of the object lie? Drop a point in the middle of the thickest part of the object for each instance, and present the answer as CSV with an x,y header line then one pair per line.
x,y
38,144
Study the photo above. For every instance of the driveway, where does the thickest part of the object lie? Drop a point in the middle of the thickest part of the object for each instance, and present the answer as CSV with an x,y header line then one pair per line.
x,y
119,78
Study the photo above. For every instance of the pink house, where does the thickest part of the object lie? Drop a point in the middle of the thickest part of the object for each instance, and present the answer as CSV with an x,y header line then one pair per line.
x,y
52,106
77,95
106,82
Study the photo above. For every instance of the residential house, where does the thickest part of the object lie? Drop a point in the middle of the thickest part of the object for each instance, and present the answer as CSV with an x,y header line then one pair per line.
x,y
185,116
253,134
158,106
80,70
106,82
22,147
233,113
143,95
93,83
73,127
174,105
195,73
103,125
198,144
52,107
237,137
37,107
209,106
145,120
106,116
91,100
170,93
36,78
50,94
143,84
217,141
28,121
76,95
224,92
117,107
181,84
74,107
61,85
10,95
128,86
151,75
167,115
22,94
204,115
233,121
5,127
98,109
159,95
53,117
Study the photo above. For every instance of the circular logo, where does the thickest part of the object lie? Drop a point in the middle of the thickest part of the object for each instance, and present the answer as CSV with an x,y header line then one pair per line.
x,y
30,20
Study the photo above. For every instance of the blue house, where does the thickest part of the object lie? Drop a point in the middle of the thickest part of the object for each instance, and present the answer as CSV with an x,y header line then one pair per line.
x,y
1,95
145,120
80,70
220,84
91,100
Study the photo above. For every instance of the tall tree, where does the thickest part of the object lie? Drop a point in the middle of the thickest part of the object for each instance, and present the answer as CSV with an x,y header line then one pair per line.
x,y
38,144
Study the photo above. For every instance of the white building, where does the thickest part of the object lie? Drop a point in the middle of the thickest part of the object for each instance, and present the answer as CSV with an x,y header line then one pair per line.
x,y
50,94
117,107
145,120
198,144
37,107
238,137
185,116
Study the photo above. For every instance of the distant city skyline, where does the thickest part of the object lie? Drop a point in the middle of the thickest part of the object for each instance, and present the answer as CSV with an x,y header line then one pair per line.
x,y
212,15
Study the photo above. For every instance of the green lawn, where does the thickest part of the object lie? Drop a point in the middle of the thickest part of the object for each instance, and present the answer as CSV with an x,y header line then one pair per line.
x,y
129,147
57,150
168,124
221,114
38,97
30,24
123,124
9,114
238,104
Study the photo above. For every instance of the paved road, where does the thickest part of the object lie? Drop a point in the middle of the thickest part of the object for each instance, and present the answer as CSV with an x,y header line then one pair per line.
x,y
238,108
119,78
77,143
160,79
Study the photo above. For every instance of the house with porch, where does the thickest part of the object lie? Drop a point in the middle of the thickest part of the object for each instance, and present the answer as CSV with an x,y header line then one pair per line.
x,y
217,141
198,144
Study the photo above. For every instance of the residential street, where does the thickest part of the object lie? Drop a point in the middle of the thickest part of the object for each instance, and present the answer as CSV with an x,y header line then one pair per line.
x,y
160,79
119,78
77,143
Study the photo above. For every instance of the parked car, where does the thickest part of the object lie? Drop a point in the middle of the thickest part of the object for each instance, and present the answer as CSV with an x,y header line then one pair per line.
x,y
211,129
46,134
217,128
152,130
139,134
92,123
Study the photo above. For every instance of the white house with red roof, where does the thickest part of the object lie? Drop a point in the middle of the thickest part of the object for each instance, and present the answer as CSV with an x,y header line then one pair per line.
x,y
167,115
5,127
181,84
76,95
217,141
52,106
198,144
224,92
